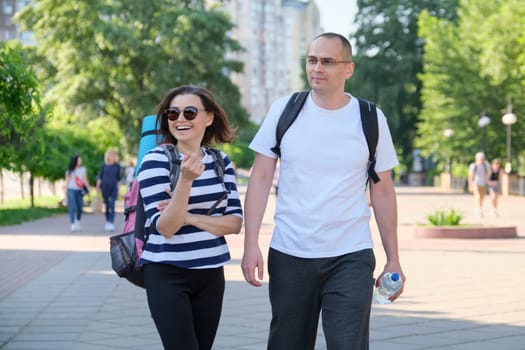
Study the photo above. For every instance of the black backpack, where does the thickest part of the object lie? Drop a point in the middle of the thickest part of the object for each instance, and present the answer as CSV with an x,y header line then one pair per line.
x,y
368,121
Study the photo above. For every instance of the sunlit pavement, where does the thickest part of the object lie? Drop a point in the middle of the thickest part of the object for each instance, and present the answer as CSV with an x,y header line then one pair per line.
x,y
57,289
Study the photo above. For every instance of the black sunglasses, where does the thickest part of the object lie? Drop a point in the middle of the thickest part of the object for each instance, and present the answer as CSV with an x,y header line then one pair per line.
x,y
173,113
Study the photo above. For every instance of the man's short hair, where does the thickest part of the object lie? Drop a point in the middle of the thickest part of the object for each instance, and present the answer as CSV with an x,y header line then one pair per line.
x,y
346,43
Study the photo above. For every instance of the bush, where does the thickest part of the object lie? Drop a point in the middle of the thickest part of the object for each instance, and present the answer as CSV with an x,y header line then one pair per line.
x,y
460,170
444,218
240,154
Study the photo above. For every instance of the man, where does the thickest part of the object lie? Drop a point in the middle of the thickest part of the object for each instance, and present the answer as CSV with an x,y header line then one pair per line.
x,y
321,255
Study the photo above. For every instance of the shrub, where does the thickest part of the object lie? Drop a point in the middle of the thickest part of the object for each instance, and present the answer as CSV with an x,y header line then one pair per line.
x,y
445,218
240,154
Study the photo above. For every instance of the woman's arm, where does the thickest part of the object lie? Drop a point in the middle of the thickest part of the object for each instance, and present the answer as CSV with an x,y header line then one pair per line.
x,y
174,216
66,184
86,181
218,225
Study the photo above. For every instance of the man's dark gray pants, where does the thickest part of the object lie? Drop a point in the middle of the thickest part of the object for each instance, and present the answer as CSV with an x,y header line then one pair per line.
x,y
339,287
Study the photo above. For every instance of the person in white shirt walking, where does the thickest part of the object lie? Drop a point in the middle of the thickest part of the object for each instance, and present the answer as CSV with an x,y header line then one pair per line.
x,y
321,255
478,180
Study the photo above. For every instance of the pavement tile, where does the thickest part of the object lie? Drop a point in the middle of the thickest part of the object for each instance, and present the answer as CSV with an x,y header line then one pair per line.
x,y
57,289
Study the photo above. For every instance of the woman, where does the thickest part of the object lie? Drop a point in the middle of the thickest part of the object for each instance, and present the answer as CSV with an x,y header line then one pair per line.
x,y
107,182
495,184
185,251
478,177
76,180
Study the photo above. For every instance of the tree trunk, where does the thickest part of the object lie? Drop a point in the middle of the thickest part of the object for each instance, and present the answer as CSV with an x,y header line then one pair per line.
x,y
22,185
2,194
32,189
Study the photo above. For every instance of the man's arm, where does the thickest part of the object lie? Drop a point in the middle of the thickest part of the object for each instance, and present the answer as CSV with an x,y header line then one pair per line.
x,y
383,197
259,186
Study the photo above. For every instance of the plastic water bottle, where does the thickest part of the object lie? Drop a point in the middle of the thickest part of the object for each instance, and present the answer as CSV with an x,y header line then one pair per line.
x,y
390,284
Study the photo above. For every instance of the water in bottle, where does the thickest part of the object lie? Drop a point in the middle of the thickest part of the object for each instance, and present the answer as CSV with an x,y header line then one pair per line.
x,y
390,284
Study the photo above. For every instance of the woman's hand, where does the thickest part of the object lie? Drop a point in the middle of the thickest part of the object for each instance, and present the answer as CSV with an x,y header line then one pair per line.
x,y
161,205
191,167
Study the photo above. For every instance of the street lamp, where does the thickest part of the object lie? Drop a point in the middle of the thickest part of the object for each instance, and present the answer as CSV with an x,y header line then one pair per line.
x,y
448,133
508,119
483,122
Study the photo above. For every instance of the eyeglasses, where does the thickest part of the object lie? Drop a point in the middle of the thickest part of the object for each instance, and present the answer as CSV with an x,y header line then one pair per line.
x,y
173,113
325,61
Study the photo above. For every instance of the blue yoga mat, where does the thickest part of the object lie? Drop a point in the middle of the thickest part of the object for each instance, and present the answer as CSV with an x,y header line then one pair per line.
x,y
148,138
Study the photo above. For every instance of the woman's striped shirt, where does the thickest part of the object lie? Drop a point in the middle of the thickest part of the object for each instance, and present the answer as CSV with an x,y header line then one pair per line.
x,y
190,247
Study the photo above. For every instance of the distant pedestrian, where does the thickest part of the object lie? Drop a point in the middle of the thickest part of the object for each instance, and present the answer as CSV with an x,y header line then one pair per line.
x,y
478,179
495,184
107,181
76,183
130,173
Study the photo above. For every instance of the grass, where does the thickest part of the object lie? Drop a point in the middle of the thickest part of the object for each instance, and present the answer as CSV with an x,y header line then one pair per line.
x,y
17,211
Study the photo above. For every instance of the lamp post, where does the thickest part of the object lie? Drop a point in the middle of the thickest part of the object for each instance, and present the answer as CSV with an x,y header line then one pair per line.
x,y
508,119
483,122
448,133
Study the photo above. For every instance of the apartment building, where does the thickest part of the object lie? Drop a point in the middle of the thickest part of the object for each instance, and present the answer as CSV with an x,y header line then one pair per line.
x,y
275,35
8,29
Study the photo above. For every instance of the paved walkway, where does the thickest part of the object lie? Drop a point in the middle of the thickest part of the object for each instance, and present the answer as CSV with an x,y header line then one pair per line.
x,y
57,289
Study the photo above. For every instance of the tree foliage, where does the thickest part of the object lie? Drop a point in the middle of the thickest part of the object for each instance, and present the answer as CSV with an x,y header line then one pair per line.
x,y
117,59
388,59
62,143
20,118
30,139
472,66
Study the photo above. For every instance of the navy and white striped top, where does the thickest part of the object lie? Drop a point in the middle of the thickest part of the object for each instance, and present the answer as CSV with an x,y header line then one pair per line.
x,y
190,247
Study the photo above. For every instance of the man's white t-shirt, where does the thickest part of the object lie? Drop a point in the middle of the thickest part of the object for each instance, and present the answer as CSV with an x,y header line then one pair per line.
x,y
321,208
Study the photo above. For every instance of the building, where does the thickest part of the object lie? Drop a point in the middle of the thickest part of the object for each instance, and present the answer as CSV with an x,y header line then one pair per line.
x,y
275,35
8,30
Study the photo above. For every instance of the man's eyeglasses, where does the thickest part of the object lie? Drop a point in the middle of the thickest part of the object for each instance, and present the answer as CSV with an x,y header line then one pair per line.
x,y
325,61
173,113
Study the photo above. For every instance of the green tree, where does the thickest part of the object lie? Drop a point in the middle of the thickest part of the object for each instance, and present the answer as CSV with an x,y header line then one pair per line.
x,y
388,59
19,108
470,68
64,141
117,59
21,115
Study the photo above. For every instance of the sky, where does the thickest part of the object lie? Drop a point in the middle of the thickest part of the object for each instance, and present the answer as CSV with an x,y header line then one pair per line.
x,y
337,15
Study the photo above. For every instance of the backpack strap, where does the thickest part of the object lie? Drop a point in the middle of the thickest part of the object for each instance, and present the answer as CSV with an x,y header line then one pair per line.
x,y
371,130
220,169
218,163
288,116
369,123
140,217
174,160
174,163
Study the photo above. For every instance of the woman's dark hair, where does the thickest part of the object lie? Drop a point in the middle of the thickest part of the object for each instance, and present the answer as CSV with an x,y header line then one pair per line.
x,y
72,163
219,131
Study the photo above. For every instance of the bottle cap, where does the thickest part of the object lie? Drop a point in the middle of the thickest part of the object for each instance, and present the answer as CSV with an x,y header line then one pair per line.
x,y
395,276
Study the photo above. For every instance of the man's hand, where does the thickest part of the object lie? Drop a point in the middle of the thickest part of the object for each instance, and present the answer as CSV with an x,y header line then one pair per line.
x,y
393,268
252,260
